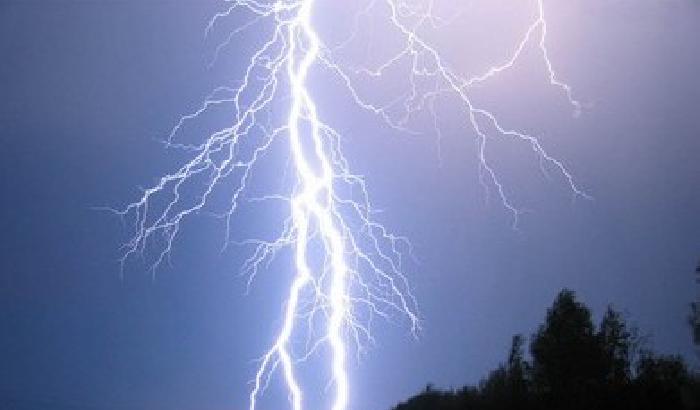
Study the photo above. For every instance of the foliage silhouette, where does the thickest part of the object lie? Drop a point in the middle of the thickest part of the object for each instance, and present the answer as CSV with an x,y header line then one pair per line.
x,y
575,365
694,317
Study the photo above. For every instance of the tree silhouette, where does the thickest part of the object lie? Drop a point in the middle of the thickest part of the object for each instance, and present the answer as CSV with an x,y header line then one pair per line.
x,y
694,318
664,382
518,370
567,356
573,366
508,386
619,345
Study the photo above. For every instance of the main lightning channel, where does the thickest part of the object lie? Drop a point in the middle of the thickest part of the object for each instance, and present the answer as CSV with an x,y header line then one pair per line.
x,y
315,201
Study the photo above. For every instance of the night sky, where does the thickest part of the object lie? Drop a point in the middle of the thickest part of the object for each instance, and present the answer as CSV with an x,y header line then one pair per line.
x,y
87,88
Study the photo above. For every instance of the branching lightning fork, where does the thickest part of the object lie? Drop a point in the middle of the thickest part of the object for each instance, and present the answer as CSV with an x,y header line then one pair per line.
x,y
358,274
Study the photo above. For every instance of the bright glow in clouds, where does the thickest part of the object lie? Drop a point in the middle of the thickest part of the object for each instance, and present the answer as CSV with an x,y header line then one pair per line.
x,y
347,267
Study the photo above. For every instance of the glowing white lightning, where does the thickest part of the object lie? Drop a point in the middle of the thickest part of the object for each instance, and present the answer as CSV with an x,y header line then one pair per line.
x,y
314,201
358,272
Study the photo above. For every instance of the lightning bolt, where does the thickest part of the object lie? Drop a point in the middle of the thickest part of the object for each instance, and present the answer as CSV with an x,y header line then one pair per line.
x,y
347,267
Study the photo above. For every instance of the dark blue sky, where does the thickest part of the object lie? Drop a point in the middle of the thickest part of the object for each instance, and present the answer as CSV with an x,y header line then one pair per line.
x,y
87,88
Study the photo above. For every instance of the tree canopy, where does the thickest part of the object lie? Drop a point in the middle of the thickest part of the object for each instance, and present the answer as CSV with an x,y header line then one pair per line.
x,y
575,364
